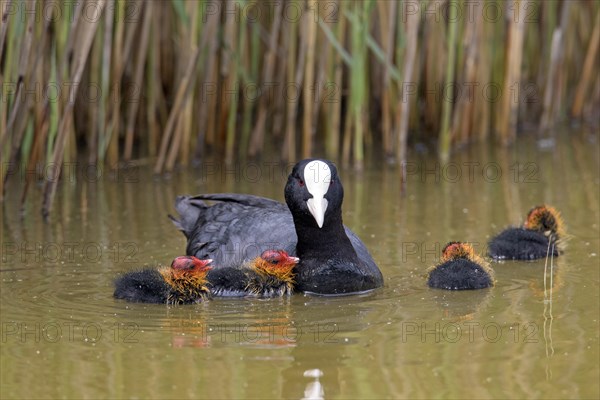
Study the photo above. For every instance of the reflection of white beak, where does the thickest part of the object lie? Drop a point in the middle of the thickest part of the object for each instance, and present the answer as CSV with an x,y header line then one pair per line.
x,y
317,208
317,176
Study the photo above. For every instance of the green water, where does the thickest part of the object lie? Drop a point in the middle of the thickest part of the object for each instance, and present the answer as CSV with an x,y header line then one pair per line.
x,y
64,336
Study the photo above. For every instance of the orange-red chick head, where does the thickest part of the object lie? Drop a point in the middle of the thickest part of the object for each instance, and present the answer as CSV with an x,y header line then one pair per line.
x,y
454,250
191,264
275,262
545,219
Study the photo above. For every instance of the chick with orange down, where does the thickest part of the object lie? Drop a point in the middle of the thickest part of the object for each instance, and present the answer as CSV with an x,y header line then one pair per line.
x,y
460,269
184,282
543,229
269,275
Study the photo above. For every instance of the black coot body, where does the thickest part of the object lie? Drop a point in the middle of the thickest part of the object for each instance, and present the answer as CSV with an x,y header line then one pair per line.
x,y
459,274
460,269
236,282
145,286
181,283
543,226
520,244
333,260
227,282
270,275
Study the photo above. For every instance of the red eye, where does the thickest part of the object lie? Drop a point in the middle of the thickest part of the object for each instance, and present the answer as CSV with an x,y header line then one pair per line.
x,y
300,182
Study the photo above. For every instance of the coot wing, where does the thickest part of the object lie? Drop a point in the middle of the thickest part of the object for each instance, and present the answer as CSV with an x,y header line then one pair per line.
x,y
238,228
235,229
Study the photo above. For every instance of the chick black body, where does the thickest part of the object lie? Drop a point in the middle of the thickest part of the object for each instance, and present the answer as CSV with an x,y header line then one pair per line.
x,y
541,235
460,269
144,286
459,274
182,283
269,275
520,244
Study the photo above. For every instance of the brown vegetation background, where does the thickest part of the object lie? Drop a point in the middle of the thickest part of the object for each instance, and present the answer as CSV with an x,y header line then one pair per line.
x,y
165,82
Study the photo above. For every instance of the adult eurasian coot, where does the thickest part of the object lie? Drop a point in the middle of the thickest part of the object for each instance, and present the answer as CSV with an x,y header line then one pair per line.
x,y
238,228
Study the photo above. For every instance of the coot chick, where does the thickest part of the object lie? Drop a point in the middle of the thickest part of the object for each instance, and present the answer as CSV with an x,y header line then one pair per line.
x,y
184,282
238,228
543,227
270,275
460,269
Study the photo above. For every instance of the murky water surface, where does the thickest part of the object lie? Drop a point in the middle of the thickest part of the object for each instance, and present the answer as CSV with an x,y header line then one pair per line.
x,y
64,336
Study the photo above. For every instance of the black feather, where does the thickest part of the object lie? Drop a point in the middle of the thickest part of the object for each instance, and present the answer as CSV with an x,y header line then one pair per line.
x,y
519,244
459,274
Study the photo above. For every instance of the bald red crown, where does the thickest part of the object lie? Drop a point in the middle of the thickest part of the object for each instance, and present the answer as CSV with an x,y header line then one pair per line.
x,y
278,257
190,263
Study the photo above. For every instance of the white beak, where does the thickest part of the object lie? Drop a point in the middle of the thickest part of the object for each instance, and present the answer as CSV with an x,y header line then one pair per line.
x,y
317,208
317,176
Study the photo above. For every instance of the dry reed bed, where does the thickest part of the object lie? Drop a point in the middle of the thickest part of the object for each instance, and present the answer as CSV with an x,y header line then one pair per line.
x,y
170,81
